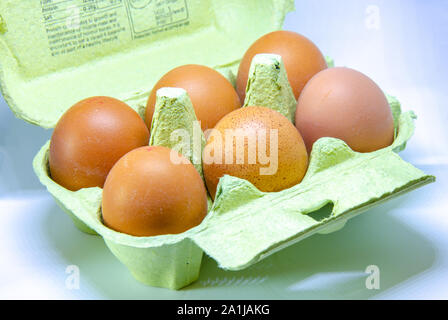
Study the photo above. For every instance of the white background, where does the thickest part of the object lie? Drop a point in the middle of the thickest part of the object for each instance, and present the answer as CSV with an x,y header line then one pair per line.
x,y
402,46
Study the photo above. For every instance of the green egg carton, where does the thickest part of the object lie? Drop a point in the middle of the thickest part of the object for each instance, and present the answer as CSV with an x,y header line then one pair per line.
x,y
243,225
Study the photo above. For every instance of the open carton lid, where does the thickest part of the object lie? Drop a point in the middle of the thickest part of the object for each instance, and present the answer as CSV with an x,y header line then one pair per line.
x,y
55,53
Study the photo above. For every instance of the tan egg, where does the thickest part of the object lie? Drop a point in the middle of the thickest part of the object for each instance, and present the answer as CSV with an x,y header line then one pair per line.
x,y
148,194
256,144
345,104
90,137
211,94
302,59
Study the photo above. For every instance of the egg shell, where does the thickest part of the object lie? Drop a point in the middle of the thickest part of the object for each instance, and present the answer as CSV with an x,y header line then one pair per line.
x,y
212,95
90,137
302,59
344,103
288,168
153,191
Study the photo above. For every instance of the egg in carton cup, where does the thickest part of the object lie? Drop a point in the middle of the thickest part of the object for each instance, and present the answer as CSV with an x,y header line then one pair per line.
x,y
243,225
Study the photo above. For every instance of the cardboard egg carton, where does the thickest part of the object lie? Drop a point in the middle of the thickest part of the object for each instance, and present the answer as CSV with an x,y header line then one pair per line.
x,y
40,80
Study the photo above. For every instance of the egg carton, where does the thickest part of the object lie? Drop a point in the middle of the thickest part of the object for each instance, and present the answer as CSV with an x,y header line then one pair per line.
x,y
243,224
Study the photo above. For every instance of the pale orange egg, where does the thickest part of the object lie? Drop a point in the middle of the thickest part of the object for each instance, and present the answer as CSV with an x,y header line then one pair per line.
x,y
345,104
211,94
90,137
147,193
302,59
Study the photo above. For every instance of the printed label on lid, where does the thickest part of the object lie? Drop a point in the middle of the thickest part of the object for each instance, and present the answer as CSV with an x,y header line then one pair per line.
x,y
59,52
74,25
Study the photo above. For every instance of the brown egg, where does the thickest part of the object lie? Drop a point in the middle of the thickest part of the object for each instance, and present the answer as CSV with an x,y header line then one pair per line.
x,y
211,94
301,57
90,137
256,144
345,104
148,194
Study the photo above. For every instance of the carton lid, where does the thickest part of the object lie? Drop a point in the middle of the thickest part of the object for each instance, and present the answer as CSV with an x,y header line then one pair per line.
x,y
54,53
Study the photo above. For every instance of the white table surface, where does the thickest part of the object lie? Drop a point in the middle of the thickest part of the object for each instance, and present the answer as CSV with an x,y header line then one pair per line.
x,y
401,45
